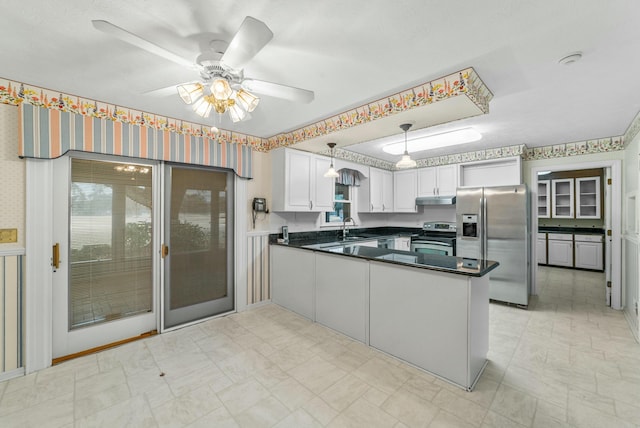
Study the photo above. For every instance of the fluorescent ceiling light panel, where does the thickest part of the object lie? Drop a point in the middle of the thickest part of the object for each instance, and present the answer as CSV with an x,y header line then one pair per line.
x,y
446,139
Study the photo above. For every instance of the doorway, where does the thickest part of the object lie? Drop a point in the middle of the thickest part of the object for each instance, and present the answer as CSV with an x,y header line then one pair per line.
x,y
138,246
612,292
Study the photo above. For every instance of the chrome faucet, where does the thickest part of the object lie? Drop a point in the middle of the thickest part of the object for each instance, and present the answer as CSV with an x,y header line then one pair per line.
x,y
344,226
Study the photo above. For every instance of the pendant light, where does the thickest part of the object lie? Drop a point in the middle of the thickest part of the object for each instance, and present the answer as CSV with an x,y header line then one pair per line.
x,y
331,172
406,161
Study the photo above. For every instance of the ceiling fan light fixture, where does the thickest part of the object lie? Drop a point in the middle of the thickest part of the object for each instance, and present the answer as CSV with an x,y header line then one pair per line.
x,y
190,92
220,89
247,100
203,107
406,161
236,112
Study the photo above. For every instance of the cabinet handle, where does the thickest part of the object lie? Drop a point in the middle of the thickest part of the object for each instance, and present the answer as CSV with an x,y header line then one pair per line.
x,y
383,208
310,205
434,190
371,207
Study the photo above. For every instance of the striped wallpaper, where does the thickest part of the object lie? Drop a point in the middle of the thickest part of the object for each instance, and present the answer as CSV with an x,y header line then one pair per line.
x,y
48,133
258,287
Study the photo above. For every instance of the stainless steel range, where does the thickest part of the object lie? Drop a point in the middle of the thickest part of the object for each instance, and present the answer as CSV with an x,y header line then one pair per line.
x,y
437,237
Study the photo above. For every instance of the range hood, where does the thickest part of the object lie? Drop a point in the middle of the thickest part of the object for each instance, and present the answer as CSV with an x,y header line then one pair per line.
x,y
436,200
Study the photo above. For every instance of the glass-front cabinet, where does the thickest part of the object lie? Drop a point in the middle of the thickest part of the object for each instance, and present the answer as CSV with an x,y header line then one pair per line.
x,y
544,199
562,198
588,197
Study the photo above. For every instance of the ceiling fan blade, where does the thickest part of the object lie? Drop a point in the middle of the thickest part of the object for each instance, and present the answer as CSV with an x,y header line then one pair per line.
x,y
279,91
250,38
164,92
128,37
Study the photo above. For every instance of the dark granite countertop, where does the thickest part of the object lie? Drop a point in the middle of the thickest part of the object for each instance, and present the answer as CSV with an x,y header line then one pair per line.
x,y
578,230
448,264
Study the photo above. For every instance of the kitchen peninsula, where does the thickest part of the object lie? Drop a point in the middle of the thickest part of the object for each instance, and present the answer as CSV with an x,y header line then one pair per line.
x,y
431,311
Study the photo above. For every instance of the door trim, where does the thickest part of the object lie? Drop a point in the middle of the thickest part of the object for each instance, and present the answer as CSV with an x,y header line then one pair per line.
x,y
38,278
616,220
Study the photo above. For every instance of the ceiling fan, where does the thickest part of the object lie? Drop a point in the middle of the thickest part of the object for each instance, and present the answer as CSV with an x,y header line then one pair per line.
x,y
222,86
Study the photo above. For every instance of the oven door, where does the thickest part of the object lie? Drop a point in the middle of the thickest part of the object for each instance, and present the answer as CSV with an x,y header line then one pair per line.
x,y
432,247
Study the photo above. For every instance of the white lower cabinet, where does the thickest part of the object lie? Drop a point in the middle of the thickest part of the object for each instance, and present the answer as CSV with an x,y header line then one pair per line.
x,y
293,279
436,321
542,249
560,249
342,285
588,252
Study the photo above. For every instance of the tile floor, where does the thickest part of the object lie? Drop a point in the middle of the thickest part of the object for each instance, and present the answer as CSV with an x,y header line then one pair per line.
x,y
568,361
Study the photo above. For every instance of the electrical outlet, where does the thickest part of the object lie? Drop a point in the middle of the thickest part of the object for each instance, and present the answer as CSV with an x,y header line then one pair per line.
x,y
8,235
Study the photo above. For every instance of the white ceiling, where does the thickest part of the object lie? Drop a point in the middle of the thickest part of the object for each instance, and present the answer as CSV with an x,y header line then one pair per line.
x,y
349,53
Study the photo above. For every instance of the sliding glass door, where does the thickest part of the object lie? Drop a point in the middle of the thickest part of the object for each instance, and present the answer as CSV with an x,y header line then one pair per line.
x,y
198,244
103,261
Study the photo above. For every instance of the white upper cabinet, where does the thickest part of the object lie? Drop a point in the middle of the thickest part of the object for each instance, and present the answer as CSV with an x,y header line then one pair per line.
x,y
588,197
562,198
494,172
298,182
544,198
322,189
438,180
375,194
405,191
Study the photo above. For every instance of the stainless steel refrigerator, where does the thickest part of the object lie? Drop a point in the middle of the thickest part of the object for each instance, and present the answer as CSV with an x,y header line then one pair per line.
x,y
493,224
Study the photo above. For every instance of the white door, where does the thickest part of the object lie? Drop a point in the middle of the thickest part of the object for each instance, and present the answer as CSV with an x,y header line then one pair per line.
x,y
387,191
106,230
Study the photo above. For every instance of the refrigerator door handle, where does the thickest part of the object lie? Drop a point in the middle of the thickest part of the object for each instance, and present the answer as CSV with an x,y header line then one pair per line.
x,y
484,229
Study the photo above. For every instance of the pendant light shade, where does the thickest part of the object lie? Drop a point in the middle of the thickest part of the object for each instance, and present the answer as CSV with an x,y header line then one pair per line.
x,y
331,172
406,161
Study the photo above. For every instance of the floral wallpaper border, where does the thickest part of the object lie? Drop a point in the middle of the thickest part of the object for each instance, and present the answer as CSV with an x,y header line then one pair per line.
x,y
464,82
610,144
528,154
632,130
16,93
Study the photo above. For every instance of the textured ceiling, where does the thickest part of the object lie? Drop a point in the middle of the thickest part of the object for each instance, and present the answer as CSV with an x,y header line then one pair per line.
x,y
349,53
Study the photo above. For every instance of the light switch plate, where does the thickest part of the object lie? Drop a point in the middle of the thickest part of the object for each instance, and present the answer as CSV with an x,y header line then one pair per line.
x,y
8,235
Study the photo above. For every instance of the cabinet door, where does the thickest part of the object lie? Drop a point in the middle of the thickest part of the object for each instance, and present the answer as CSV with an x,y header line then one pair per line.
x,y
588,197
589,255
322,187
544,201
447,180
427,181
298,178
375,189
542,251
405,191
560,253
562,197
387,191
